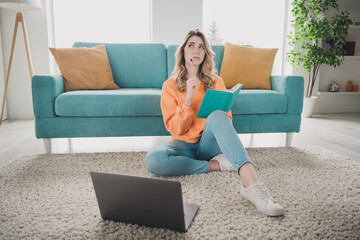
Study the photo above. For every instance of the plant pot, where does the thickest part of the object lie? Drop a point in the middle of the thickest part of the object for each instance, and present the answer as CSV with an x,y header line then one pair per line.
x,y
308,107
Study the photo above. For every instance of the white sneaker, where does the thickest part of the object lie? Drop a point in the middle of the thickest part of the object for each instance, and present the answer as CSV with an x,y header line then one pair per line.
x,y
225,165
258,195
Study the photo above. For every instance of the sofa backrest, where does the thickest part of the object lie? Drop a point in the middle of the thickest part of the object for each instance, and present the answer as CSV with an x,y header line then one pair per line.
x,y
144,65
218,50
135,65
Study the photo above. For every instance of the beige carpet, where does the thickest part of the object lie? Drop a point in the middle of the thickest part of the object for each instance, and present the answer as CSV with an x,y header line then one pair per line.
x,y
51,197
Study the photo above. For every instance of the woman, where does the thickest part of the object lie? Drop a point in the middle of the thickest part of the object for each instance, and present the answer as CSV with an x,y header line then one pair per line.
x,y
202,145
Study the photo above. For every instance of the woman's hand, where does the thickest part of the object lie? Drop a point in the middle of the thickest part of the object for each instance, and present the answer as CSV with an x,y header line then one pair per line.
x,y
191,85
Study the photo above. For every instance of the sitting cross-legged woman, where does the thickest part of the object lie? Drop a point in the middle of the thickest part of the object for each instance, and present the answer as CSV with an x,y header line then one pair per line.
x,y
203,145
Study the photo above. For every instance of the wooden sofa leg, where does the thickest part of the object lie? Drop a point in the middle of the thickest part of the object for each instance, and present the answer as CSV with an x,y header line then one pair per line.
x,y
70,145
289,137
47,145
251,140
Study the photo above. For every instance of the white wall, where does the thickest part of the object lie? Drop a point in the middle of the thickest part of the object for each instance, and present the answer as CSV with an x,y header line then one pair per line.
x,y
19,98
172,19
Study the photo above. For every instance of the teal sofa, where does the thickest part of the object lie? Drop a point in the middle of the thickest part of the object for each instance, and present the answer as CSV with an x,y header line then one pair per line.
x,y
134,109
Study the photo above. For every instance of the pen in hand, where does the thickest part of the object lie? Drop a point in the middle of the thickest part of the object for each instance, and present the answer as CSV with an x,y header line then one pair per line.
x,y
191,83
192,66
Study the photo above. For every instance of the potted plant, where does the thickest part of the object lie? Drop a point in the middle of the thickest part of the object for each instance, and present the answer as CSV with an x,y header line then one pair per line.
x,y
320,37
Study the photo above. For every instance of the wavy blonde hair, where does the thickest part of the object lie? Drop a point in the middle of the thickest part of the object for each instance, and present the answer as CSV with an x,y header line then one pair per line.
x,y
206,69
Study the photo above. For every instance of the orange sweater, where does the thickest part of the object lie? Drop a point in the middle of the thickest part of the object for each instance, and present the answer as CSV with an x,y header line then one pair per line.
x,y
179,119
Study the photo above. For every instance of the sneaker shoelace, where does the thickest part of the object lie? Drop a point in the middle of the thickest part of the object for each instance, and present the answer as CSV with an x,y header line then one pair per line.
x,y
263,193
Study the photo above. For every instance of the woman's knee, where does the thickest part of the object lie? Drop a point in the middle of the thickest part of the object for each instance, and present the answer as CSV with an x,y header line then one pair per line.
x,y
156,160
217,117
218,114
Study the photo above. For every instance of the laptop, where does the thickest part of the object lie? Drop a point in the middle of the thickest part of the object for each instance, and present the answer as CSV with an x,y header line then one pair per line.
x,y
144,201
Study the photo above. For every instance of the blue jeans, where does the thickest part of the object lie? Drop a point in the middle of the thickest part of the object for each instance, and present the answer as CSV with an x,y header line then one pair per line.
x,y
181,158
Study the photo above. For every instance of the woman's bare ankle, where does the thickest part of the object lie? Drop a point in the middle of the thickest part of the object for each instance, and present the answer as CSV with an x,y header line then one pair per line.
x,y
214,166
248,174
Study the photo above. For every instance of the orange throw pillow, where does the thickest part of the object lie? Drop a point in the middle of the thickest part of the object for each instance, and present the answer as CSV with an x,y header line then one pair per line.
x,y
247,65
84,68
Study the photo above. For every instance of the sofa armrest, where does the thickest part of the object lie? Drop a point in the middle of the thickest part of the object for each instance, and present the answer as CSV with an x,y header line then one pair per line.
x,y
293,88
45,89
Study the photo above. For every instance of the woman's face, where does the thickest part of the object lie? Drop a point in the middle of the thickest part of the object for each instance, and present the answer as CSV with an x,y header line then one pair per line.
x,y
194,51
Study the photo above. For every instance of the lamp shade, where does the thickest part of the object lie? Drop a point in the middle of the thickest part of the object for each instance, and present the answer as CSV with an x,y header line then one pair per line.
x,y
26,5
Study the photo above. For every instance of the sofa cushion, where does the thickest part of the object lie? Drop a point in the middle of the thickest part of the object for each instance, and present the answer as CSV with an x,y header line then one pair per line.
x,y
135,65
247,65
259,101
84,68
146,102
109,103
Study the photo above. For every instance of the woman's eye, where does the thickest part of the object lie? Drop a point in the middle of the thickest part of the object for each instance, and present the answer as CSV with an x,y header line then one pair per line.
x,y
190,45
202,47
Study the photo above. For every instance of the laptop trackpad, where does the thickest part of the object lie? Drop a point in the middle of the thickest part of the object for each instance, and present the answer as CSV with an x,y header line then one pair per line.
x,y
189,212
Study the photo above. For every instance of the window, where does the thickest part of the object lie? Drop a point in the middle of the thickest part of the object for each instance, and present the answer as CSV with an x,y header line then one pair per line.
x,y
107,21
259,23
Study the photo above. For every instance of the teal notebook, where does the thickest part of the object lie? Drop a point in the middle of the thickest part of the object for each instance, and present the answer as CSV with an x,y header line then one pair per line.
x,y
218,100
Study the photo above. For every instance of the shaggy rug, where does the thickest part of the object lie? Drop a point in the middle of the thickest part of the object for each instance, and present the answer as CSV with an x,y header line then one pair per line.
x,y
51,197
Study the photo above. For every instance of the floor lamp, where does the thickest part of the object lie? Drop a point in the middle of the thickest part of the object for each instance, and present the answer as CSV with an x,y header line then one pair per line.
x,y
19,5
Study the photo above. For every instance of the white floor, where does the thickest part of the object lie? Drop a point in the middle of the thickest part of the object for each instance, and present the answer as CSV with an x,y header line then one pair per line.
x,y
337,132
